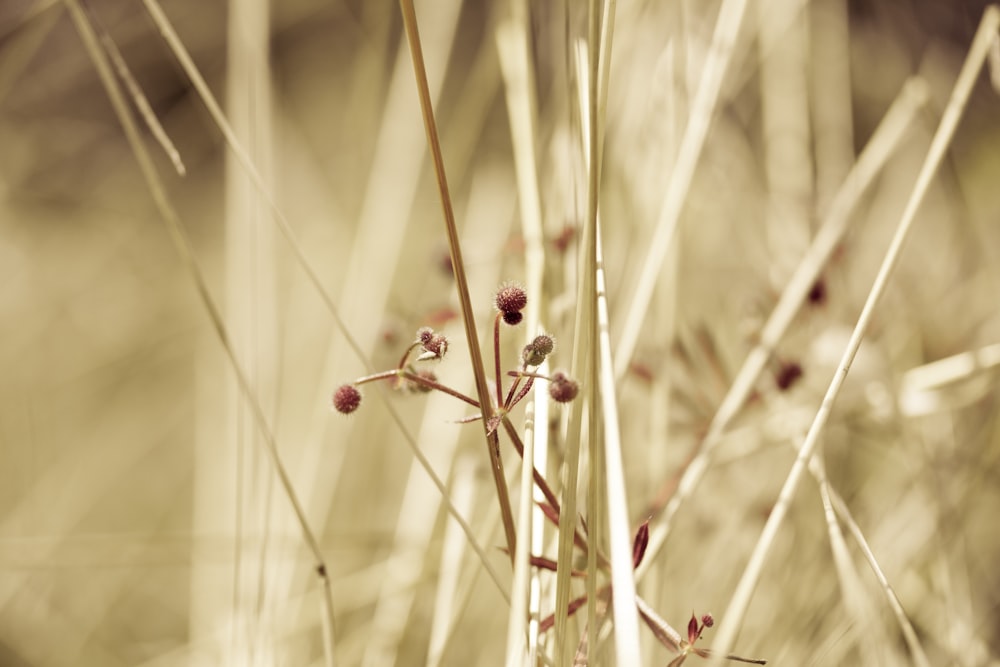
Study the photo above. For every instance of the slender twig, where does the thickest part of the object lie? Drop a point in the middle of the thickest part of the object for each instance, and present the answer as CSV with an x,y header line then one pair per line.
x,y
909,633
517,637
417,379
215,111
583,366
458,265
138,97
622,569
703,108
184,249
519,86
622,575
496,361
880,147
732,620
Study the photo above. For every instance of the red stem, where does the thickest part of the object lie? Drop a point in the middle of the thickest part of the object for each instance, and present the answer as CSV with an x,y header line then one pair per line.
x,y
418,379
496,359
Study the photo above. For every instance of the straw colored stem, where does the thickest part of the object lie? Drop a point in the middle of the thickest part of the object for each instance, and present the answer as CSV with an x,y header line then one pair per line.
x,y
733,618
461,282
519,446
219,118
515,63
882,144
584,367
184,249
619,534
730,19
138,98
909,633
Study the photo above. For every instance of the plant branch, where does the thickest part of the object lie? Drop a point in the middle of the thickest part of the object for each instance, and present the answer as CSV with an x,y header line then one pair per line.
x,y
738,604
461,282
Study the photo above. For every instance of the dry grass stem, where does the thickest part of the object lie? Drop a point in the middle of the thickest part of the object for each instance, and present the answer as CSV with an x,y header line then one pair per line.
x,y
458,266
673,243
883,143
184,249
727,28
733,618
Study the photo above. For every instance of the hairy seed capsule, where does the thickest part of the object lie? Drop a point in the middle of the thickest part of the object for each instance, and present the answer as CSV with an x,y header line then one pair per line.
x,y
535,352
513,318
562,389
511,299
346,399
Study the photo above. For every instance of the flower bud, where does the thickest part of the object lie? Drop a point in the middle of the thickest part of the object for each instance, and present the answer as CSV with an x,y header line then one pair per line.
x,y
511,299
346,399
534,353
562,389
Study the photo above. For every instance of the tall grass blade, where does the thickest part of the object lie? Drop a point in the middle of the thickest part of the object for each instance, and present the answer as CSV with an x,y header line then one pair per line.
x,y
740,601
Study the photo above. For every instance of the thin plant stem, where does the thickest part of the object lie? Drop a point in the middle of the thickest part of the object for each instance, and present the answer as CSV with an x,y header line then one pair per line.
x,y
184,249
880,147
496,360
218,117
517,624
731,15
406,355
607,461
40,18
596,501
619,533
138,97
550,496
417,379
584,332
458,265
740,601
519,86
909,633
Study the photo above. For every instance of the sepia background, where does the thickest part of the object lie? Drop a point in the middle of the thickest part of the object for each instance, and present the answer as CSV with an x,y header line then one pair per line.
x,y
141,519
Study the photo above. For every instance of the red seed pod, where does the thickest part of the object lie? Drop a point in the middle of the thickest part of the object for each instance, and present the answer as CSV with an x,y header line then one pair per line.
x,y
534,353
435,345
562,389
513,318
346,399
511,299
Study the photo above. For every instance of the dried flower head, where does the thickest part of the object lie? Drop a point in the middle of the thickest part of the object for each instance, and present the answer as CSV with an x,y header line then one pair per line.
x,y
513,318
511,299
346,399
562,388
435,345
534,353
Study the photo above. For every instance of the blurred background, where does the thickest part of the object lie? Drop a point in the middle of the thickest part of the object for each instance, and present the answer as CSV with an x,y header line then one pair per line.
x,y
141,522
